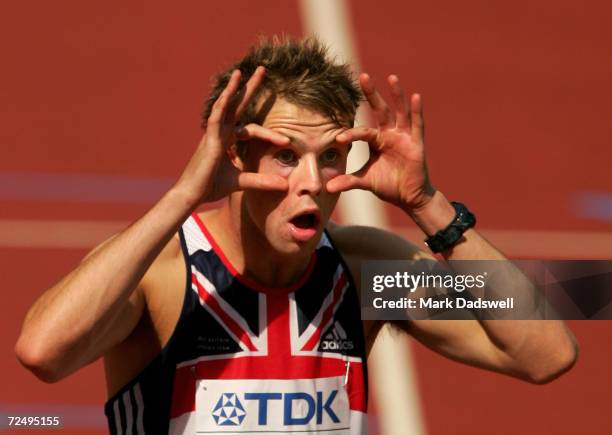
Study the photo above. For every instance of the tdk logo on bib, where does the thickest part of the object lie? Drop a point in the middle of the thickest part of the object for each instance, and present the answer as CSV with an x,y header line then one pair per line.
x,y
229,410
271,405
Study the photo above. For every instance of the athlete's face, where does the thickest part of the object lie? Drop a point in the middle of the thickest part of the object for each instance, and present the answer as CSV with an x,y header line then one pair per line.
x,y
293,221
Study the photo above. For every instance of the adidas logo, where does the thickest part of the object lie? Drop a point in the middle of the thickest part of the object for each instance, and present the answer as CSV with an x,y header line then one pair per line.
x,y
336,339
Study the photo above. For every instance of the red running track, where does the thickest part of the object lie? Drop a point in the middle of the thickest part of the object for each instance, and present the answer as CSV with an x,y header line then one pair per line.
x,y
517,100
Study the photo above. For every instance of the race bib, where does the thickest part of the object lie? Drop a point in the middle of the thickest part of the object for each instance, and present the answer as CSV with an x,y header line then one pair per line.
x,y
272,406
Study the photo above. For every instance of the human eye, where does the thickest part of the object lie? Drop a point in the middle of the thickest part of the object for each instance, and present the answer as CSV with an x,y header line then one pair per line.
x,y
330,156
286,157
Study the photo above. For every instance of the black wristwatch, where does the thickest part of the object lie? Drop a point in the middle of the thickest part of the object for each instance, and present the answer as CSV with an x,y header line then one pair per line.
x,y
446,238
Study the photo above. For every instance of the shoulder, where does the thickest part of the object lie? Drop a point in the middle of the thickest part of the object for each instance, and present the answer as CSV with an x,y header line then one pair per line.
x,y
357,243
370,243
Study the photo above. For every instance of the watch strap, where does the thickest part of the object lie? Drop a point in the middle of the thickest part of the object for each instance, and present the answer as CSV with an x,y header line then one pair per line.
x,y
449,236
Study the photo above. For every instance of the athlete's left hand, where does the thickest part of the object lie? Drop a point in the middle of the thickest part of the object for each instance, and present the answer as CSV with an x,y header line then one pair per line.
x,y
397,170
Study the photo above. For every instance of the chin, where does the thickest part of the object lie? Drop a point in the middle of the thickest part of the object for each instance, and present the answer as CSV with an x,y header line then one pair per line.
x,y
287,245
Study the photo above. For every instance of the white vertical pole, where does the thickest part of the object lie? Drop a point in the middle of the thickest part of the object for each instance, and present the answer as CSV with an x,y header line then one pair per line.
x,y
390,359
328,19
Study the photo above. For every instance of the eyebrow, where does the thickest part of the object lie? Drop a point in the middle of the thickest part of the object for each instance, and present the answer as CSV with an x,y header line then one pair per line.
x,y
295,140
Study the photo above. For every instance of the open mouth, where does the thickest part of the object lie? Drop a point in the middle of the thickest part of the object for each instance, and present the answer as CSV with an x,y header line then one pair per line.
x,y
305,221
304,226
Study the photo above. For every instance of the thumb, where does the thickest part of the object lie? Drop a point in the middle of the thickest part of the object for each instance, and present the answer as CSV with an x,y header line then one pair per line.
x,y
345,182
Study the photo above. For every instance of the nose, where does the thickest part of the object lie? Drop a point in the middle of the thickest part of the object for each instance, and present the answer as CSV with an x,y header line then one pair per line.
x,y
307,177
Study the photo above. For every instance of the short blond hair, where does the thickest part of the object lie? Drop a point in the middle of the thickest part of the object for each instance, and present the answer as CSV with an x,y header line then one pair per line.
x,y
300,71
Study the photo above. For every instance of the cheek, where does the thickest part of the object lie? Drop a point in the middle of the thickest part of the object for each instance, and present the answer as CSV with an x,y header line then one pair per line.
x,y
326,175
283,171
267,165
328,203
264,208
331,172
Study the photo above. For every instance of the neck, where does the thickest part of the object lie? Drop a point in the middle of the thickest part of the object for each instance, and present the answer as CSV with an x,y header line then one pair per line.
x,y
248,250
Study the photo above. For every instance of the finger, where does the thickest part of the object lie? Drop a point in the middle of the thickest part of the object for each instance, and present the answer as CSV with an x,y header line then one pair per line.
x,y
230,111
219,108
367,134
418,124
255,131
402,111
381,109
344,182
249,90
252,180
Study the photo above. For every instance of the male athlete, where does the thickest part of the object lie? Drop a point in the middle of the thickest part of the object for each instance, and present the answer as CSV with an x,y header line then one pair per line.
x,y
246,318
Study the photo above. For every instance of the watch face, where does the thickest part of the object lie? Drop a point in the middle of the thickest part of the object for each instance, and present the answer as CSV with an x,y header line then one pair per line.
x,y
446,238
464,218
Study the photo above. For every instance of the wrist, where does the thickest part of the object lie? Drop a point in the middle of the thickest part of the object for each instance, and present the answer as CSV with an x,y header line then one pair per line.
x,y
184,197
434,215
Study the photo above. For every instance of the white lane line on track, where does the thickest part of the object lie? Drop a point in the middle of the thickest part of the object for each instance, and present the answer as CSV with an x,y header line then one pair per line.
x,y
56,234
85,234
329,20
82,188
537,243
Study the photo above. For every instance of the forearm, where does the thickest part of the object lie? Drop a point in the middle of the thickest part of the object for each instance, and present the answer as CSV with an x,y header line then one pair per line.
x,y
537,347
98,304
70,322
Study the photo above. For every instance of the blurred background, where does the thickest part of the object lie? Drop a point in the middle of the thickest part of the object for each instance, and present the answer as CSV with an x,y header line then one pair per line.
x,y
100,107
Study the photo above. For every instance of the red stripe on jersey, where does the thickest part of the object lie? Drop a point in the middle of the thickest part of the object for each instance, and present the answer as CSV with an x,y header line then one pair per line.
x,y
355,388
183,392
213,304
258,367
263,367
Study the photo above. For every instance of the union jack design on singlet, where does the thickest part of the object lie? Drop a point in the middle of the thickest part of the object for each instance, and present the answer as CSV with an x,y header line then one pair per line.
x,y
244,358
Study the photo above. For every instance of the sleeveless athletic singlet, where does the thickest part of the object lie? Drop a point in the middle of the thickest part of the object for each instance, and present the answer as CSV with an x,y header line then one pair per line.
x,y
248,359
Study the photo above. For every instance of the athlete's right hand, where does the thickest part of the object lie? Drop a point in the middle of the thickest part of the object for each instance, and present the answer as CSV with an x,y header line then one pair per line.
x,y
210,175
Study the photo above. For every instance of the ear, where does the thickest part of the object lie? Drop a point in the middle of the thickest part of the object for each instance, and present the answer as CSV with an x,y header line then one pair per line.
x,y
233,154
